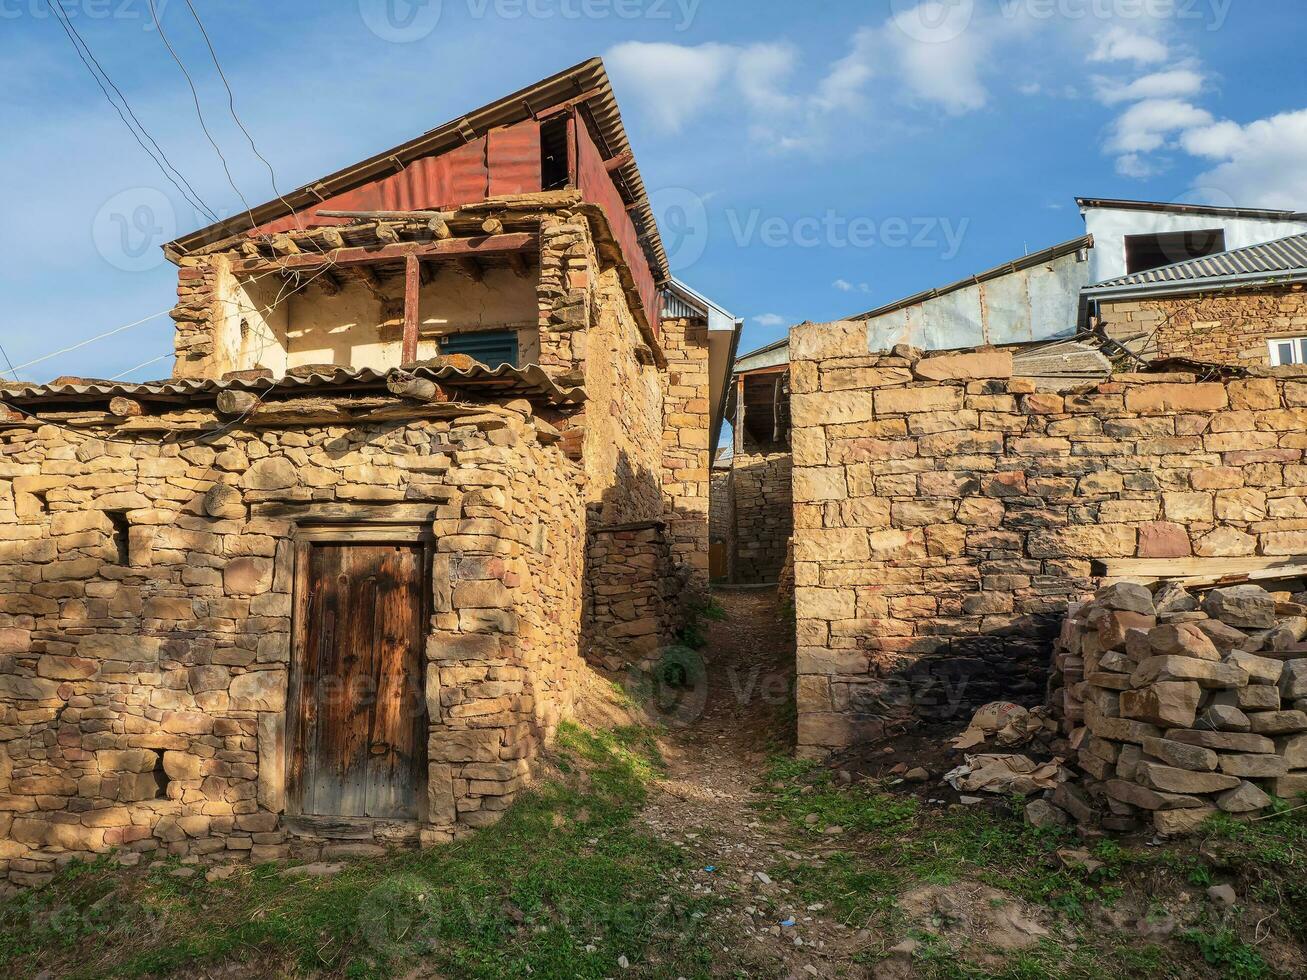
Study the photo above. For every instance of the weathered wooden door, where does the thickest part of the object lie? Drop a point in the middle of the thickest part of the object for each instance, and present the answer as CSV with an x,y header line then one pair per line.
x,y
357,705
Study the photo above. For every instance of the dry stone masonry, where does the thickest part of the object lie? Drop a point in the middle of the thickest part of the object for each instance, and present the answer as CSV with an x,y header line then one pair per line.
x,y
946,513
1183,705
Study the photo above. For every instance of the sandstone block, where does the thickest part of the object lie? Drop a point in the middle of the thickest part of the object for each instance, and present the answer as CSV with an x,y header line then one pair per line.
x,y
899,401
259,690
1206,673
1149,799
1178,823
1223,741
1290,787
1166,703
1254,766
1169,779
1246,606
1244,798
1224,718
1180,755
1160,399
247,576
1261,670
1278,722
1293,681
1126,596
270,473
1184,640
1294,750
978,365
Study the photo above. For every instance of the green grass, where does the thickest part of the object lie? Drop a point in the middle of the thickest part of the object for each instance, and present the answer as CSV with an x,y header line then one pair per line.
x,y
563,886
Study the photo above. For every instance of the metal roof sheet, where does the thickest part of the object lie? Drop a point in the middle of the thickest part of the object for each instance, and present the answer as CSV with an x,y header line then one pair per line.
x,y
1115,204
504,381
1271,260
586,77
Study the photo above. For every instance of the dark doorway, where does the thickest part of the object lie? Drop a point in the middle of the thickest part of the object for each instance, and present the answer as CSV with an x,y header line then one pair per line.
x,y
357,708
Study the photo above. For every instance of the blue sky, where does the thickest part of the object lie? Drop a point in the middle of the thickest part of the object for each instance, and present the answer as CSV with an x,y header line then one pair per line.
x,y
808,160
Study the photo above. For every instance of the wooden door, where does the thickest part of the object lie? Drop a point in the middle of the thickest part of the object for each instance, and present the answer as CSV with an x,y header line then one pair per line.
x,y
357,705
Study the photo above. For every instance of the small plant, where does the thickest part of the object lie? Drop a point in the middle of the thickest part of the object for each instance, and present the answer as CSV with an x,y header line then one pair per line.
x,y
1224,950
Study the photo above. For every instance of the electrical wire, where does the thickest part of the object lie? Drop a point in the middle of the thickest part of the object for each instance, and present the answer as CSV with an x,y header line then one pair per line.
x,y
231,103
102,78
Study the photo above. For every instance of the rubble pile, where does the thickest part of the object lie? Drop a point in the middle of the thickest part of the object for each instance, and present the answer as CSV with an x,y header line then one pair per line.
x,y
1182,705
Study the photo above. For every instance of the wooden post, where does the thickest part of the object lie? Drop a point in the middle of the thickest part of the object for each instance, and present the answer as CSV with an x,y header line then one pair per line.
x,y
412,285
739,416
573,150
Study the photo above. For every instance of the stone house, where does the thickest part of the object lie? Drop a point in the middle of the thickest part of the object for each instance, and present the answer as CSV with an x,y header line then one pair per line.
x,y
437,435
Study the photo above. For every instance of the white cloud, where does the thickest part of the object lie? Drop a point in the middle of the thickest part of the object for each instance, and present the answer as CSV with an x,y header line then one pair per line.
x,y
1137,166
1260,164
1125,44
674,82
844,286
1030,88
770,320
1145,126
1175,83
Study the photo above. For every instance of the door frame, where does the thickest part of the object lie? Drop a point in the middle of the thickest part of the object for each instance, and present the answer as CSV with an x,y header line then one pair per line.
x,y
304,537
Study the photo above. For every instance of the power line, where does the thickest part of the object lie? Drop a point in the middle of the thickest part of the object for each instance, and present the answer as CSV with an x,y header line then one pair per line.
x,y
231,103
102,78
199,111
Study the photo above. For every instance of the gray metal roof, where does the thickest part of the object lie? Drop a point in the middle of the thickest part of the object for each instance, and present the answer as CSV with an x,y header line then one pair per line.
x,y
502,382
1282,260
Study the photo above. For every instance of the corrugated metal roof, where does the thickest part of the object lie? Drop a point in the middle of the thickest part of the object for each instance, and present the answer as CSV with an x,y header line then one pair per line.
x,y
1272,260
524,104
503,381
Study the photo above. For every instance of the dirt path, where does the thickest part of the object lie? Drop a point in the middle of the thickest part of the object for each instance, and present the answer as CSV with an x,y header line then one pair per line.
x,y
720,739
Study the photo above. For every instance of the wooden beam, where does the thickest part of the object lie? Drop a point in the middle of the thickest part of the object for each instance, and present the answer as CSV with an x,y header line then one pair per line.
x,y
125,408
570,104
619,161
1197,571
283,244
492,226
439,228
452,248
420,389
412,286
387,233
384,215
237,402
739,416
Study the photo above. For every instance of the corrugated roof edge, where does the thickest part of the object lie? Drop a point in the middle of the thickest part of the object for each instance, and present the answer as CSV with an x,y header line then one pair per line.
x,y
1282,261
567,84
522,382
1175,208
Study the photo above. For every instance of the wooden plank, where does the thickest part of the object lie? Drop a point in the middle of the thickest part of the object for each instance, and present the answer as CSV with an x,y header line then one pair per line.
x,y
484,245
397,756
412,288
1201,571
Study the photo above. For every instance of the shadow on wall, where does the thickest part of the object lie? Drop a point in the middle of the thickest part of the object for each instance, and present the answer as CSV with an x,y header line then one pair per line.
x,y
636,593
762,512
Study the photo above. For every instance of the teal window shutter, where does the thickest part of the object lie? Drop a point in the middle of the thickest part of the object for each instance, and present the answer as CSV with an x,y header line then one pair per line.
x,y
490,347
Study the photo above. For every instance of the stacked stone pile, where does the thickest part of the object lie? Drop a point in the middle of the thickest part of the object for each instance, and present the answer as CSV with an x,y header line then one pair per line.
x,y
1183,705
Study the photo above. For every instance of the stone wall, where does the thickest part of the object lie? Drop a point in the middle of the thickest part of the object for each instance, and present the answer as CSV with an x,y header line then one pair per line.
x,y
686,455
945,513
633,595
1221,328
763,511
145,630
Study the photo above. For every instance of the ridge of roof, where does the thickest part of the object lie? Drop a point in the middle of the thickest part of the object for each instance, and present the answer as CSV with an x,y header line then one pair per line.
x,y
1017,265
1179,208
588,76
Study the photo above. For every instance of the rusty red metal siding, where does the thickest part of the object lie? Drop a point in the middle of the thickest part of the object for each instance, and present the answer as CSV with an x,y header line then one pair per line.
x,y
596,186
454,178
513,159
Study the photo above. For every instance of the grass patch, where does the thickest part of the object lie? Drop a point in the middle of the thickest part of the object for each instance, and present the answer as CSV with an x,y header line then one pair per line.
x,y
563,886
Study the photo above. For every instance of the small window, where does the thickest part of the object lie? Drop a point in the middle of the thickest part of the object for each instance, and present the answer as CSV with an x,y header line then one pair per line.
x,y
1144,252
1288,350
490,347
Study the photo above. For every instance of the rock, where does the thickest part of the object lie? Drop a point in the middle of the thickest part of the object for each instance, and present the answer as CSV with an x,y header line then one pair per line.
x,y
1226,638
1290,787
259,690
1224,718
1223,741
1169,779
1254,766
977,365
1244,798
1278,722
1177,823
271,473
1254,697
1127,596
1294,750
1116,624
1041,813
1149,799
1075,801
247,576
1167,703
1180,755
1172,598
1206,673
1246,606
1293,682
917,775
1183,639
319,869
1261,670
1223,894
224,502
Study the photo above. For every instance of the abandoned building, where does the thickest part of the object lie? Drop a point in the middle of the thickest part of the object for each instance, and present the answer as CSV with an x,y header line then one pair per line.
x,y
437,435
1232,293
